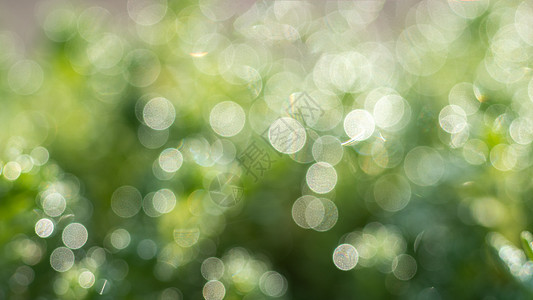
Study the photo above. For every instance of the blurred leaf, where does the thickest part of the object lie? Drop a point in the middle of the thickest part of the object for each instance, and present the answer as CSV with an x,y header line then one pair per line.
x,y
527,243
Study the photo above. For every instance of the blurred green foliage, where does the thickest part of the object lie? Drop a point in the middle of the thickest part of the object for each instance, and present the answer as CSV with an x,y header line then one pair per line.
x,y
111,122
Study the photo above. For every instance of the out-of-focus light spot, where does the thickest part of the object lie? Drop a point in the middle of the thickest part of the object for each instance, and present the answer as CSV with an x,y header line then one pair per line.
x,y
54,204
251,78
159,113
421,49
305,155
452,119
359,125
171,294
424,166
152,139
25,77
164,201
218,10
319,110
314,213
24,275
238,59
299,209
331,215
463,95
282,83
366,162
160,33
469,9
273,284
430,293
287,135
345,257
387,154
143,67
25,162
391,112
244,270
58,24
12,170
164,269
92,22
503,157
521,131
75,235
212,268
199,150
346,72
496,116
12,46
488,212
186,237
148,206
260,116
39,156
404,267
327,149
350,72
62,259
198,54
475,152
311,212
321,178
227,118
107,88
369,247
204,52
214,290
30,251
61,286
360,13
459,139
98,255
146,12
126,201
236,260
119,269
321,214
524,23
223,151
106,51
170,160
44,227
120,238
86,279
147,249
392,192
226,190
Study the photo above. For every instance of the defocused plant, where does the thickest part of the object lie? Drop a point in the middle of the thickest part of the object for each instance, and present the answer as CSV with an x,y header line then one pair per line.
x,y
275,149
